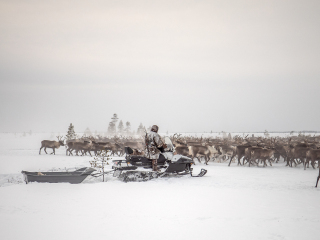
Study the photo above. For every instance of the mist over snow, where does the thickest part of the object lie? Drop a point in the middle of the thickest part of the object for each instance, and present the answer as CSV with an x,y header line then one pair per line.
x,y
186,66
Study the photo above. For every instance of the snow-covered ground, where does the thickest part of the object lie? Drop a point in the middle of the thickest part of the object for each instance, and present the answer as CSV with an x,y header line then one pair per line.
x,y
234,202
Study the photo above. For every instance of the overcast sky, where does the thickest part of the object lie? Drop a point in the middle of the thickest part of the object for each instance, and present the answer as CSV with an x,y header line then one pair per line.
x,y
187,66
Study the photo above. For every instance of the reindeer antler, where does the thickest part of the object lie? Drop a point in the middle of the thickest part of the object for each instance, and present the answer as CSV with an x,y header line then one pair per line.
x,y
60,138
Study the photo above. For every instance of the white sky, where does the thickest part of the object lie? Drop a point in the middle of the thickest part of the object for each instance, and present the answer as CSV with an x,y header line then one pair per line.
x,y
183,65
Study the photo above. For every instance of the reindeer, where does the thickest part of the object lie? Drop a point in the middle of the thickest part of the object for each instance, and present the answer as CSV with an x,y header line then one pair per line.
x,y
313,155
227,150
79,146
99,146
134,144
240,152
51,144
207,151
281,149
248,155
262,154
180,147
299,151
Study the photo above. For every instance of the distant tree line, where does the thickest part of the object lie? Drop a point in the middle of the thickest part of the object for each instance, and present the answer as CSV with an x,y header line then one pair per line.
x,y
115,127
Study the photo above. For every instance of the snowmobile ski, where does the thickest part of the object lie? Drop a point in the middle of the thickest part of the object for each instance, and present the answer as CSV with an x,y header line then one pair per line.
x,y
201,174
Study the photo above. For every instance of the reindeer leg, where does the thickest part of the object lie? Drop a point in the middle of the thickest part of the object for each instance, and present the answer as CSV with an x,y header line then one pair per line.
x,y
53,152
206,159
287,160
40,150
70,151
306,162
45,149
313,164
231,160
291,160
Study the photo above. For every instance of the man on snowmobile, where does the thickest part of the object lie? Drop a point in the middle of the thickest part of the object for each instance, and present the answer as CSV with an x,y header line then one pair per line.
x,y
154,145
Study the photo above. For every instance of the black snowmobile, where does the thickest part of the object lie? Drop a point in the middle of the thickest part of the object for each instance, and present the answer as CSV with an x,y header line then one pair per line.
x,y
139,168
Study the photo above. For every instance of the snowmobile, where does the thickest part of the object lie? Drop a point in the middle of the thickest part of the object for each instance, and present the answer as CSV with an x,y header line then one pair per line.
x,y
139,168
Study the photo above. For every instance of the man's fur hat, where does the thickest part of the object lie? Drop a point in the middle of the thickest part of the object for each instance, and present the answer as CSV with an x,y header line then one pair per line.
x,y
154,128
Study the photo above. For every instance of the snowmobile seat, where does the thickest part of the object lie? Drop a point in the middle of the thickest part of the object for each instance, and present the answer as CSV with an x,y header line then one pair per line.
x,y
146,162
140,160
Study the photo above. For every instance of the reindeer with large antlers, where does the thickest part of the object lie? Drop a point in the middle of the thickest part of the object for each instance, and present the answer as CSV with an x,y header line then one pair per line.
x,y
51,144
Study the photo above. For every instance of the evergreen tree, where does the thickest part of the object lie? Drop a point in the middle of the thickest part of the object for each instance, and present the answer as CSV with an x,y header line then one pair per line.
x,y
120,127
112,125
71,133
128,128
140,130
87,132
112,128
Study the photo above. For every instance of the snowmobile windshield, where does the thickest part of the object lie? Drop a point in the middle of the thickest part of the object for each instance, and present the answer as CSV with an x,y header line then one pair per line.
x,y
167,141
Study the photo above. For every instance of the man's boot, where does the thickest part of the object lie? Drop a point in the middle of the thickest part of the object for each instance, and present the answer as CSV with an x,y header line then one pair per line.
x,y
154,165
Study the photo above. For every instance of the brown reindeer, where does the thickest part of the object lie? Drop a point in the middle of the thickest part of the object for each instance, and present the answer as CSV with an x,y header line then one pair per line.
x,y
180,146
134,144
206,151
298,151
77,146
262,154
313,155
248,155
227,150
240,152
51,144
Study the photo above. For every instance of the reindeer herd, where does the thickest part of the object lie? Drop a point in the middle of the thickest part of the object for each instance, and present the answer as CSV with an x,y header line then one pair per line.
x,y
89,145
250,151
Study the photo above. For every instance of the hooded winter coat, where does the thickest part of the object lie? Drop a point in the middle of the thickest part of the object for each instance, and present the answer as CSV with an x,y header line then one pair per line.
x,y
153,142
